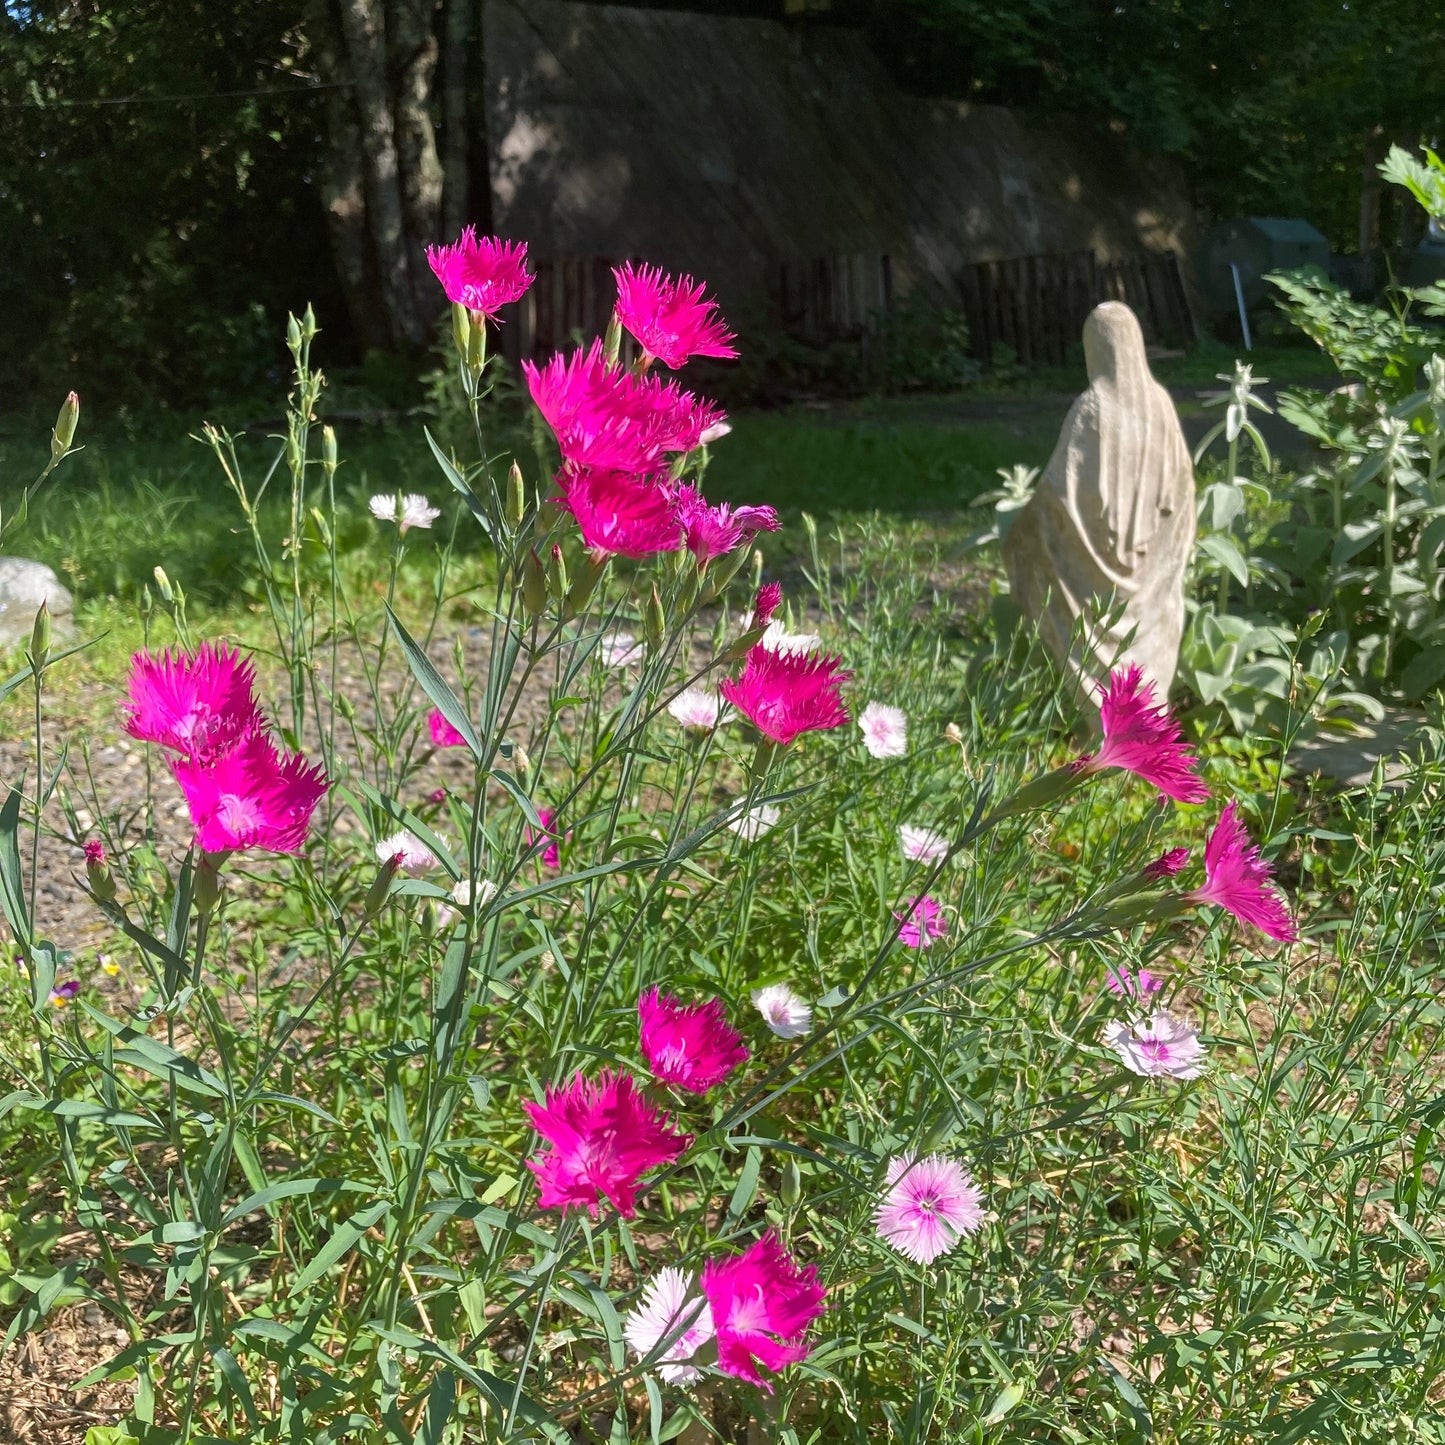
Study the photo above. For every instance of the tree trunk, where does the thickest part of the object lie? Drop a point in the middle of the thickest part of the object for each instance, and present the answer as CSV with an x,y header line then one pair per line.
x,y
1372,190
343,193
363,33
479,155
412,50
382,178
457,30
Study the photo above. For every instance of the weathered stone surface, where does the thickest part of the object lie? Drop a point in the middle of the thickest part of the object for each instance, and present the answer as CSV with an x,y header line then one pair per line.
x,y
24,585
1112,517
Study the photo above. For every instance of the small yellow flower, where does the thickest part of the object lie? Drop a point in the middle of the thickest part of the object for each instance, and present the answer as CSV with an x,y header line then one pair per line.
x,y
109,965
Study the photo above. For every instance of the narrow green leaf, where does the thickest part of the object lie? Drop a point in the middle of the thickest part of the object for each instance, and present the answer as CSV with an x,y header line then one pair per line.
x,y
343,1240
435,686
439,1402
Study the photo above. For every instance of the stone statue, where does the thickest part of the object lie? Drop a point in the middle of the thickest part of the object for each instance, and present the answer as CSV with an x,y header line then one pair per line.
x,y
1111,522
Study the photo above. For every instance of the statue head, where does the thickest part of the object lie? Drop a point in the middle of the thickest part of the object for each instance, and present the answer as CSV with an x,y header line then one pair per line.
x,y
1114,344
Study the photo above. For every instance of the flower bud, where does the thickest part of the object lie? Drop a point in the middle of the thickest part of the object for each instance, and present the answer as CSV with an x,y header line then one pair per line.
x,y
461,329
293,335
757,560
380,888
612,342
309,327
477,345
64,433
97,870
792,1190
328,450
516,496
549,514
293,453
344,706
322,530
163,584
654,620
40,638
534,585
722,571
208,885
557,574
1038,793
584,584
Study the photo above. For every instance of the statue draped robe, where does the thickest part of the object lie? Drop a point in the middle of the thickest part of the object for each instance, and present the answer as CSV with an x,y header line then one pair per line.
x,y
1111,521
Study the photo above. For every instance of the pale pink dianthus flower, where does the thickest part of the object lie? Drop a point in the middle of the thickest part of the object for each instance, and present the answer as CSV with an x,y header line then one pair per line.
x,y
697,709
784,1012
1134,985
670,1318
922,845
407,851
1159,1047
884,729
928,1206
416,510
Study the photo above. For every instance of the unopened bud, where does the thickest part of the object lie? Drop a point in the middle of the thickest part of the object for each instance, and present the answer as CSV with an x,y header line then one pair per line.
x,y
477,345
792,1190
293,335
97,870
322,530
520,760
757,569
549,514
208,886
516,496
380,888
309,327
589,573
534,585
163,583
64,433
557,574
722,572
40,638
654,620
328,449
344,706
612,342
461,329
293,453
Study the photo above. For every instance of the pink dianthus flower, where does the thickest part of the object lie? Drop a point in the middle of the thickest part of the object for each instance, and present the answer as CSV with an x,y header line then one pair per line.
x,y
251,797
785,694
197,706
1133,985
610,419
762,1303
604,1137
715,531
482,275
767,602
921,922
619,513
443,734
552,854
691,1046
670,318
929,1205
1166,865
94,851
667,1319
1143,739
1238,879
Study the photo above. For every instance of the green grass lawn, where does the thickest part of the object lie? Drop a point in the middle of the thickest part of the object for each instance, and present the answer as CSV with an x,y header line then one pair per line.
x,y
129,502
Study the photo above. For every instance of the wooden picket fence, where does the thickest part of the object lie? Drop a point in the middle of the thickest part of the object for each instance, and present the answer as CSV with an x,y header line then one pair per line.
x,y
1036,305
1033,305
